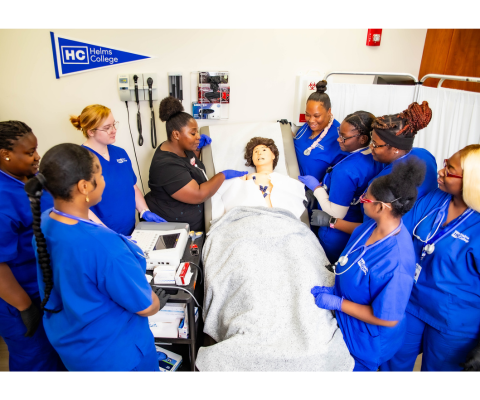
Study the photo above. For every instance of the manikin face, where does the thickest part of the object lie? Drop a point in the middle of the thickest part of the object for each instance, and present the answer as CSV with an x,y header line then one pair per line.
x,y
105,133
317,116
262,155
450,184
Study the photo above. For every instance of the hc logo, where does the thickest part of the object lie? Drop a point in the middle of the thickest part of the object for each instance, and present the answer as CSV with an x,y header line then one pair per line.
x,y
75,54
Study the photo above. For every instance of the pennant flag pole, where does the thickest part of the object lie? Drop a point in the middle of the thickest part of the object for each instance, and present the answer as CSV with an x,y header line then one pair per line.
x,y
73,57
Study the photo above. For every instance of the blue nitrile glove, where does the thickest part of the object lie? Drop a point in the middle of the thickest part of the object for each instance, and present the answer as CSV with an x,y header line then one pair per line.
x,y
161,356
152,217
329,301
309,181
321,289
320,218
204,140
231,173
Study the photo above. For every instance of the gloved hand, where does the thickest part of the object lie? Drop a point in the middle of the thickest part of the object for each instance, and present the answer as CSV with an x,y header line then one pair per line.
x,y
231,173
311,199
162,296
31,318
320,218
473,360
161,356
329,301
309,181
284,122
321,289
204,140
152,217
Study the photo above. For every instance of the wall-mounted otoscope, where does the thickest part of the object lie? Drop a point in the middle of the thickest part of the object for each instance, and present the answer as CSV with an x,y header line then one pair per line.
x,y
153,130
139,118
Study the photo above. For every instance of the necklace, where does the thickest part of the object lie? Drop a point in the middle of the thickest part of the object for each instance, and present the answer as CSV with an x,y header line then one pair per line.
x,y
308,151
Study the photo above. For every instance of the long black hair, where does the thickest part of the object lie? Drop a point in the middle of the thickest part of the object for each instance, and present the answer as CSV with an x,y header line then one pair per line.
x,y
10,132
62,167
172,112
399,188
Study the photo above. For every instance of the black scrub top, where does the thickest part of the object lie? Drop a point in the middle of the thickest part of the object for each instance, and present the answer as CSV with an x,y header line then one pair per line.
x,y
168,174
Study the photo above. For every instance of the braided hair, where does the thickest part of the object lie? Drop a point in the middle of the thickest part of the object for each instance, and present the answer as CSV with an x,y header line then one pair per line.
x,y
399,130
321,96
62,167
399,188
362,121
10,132
171,111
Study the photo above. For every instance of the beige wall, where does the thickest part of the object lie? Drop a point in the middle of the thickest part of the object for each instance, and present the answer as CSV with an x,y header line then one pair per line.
x,y
262,63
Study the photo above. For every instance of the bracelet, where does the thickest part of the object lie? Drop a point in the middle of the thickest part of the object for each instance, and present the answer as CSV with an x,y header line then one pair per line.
x,y
141,214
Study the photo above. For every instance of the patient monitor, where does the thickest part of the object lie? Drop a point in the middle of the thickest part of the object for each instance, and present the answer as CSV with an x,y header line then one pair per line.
x,y
163,244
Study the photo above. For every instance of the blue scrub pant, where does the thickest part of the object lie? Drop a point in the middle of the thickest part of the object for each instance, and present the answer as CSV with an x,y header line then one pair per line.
x,y
333,242
149,362
359,367
441,351
26,353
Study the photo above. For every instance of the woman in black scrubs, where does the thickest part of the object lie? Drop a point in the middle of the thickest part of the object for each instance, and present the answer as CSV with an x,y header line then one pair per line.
x,y
178,183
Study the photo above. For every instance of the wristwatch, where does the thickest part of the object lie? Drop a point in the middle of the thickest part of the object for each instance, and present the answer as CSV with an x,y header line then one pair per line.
x,y
332,222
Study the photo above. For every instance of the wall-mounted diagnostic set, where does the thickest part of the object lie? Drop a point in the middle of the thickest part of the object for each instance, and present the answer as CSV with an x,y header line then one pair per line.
x,y
140,87
212,91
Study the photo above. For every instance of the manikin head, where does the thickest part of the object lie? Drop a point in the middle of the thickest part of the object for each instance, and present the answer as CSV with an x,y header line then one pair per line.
x,y
261,152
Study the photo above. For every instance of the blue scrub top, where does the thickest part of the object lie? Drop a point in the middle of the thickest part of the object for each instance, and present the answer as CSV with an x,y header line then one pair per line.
x,y
99,284
326,153
117,208
447,293
430,182
382,278
345,184
16,231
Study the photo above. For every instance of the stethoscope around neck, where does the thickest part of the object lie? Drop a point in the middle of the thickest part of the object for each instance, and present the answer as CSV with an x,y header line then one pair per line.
x,y
343,260
429,248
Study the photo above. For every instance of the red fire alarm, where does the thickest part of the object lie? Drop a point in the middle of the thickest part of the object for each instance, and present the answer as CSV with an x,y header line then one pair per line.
x,y
374,36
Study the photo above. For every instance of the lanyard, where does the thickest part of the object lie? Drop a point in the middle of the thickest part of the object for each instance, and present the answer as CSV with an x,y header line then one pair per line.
x,y
431,240
343,260
330,169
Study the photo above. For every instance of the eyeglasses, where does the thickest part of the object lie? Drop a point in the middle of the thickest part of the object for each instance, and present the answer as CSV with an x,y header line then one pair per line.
x,y
376,146
113,126
344,139
364,200
447,174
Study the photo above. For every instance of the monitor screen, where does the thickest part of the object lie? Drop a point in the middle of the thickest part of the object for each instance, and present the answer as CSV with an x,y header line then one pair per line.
x,y
167,241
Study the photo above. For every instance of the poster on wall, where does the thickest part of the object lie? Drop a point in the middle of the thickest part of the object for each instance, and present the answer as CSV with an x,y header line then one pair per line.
x,y
305,85
71,56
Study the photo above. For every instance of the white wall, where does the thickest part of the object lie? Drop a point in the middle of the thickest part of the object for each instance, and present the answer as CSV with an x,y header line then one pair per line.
x,y
262,63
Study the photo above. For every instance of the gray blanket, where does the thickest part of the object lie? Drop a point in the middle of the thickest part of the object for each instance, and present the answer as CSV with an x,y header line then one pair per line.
x,y
260,264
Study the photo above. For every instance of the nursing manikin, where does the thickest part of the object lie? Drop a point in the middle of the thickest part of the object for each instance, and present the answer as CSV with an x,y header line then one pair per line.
x,y
264,187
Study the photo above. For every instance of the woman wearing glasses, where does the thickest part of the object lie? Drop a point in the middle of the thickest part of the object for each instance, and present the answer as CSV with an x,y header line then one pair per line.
x,y
392,141
443,314
345,181
374,275
121,195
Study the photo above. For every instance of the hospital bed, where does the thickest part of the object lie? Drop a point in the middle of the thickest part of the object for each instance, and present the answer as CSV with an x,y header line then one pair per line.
x,y
229,143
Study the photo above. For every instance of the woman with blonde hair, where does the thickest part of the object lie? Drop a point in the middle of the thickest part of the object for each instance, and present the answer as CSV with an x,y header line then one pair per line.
x,y
122,195
443,314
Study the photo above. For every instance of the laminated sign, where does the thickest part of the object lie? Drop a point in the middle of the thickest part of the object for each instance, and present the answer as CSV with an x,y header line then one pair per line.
x,y
305,85
72,57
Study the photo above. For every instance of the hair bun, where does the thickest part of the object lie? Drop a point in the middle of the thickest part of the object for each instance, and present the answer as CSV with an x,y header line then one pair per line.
x,y
76,122
418,116
321,87
169,106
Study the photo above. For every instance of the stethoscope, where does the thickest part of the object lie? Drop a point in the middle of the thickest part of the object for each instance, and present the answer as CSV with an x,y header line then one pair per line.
x,y
331,168
429,248
343,260
87,221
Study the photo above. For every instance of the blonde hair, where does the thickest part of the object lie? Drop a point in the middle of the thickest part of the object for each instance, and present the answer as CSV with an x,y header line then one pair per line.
x,y
470,162
90,118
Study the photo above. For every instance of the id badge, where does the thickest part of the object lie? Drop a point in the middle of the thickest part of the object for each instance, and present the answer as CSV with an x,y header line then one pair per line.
x,y
418,269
